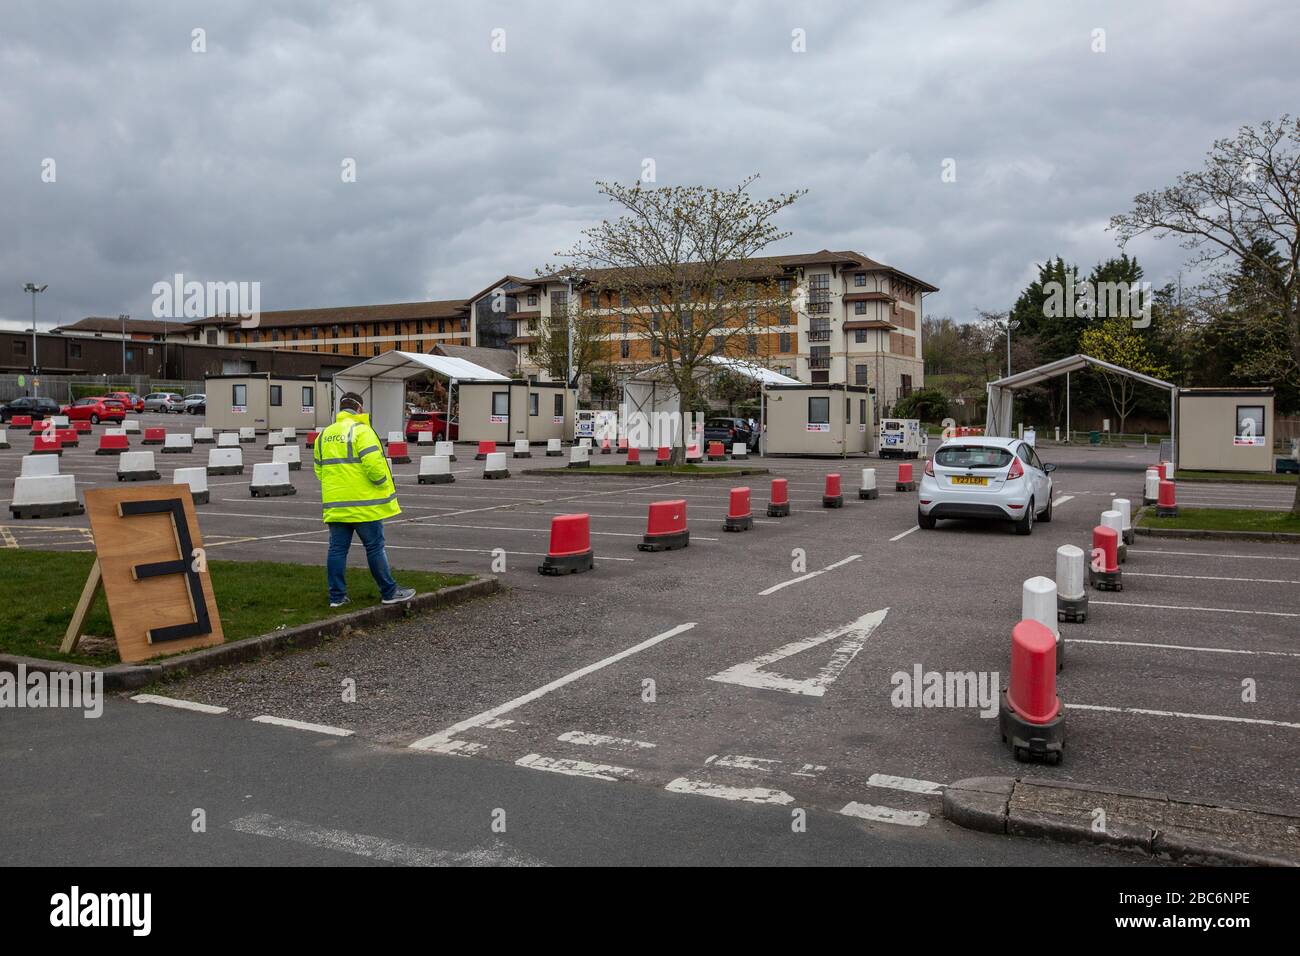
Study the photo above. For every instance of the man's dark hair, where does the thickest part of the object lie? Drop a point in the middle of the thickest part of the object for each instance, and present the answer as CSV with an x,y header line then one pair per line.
x,y
351,401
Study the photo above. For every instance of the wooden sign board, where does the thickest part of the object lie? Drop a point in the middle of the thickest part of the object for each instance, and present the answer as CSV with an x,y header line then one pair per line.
x,y
153,571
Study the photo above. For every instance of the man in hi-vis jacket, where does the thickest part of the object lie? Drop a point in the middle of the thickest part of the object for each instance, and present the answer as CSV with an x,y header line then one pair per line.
x,y
357,494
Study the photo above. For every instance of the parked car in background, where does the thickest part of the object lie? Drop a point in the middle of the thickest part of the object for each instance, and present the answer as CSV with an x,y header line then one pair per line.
x,y
435,422
163,402
39,408
196,404
729,431
95,409
130,400
997,478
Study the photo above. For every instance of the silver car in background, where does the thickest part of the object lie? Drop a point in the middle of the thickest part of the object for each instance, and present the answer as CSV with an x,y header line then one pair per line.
x,y
163,402
996,478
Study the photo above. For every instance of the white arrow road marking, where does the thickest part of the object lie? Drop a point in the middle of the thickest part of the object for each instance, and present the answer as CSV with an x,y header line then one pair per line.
x,y
869,811
852,638
905,783
378,848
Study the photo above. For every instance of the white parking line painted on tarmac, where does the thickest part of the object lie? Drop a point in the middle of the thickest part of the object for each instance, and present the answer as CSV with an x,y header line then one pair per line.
x,y
915,527
1174,713
741,762
705,788
1187,647
809,576
376,848
1215,554
603,740
868,811
302,725
1206,577
905,783
1183,607
425,743
575,768
179,704
853,636
1062,500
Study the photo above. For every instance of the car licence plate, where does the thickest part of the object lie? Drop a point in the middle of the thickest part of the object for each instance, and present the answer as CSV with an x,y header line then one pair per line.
x,y
969,480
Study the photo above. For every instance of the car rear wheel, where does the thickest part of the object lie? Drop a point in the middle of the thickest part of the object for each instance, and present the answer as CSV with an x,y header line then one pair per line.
x,y
94,419
438,437
925,521
1026,524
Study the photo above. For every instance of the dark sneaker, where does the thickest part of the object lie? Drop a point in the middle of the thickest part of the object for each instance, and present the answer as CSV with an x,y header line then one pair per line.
x,y
346,600
401,596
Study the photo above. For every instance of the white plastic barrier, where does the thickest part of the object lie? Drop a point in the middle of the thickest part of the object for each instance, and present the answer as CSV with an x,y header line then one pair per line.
x,y
553,448
1151,492
494,466
203,435
36,466
580,456
45,496
131,426
1069,572
274,439
1125,509
197,479
424,438
4,438
228,440
445,449
247,434
288,455
60,421
522,449
868,491
290,434
225,461
1038,603
114,431
739,450
136,466
1113,519
435,470
178,443
271,480
396,436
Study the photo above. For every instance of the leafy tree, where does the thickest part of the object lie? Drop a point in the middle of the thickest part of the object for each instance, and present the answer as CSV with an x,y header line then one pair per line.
x,y
927,404
1117,342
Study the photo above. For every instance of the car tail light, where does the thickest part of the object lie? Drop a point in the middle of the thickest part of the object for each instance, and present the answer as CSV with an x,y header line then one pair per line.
x,y
1015,471
929,467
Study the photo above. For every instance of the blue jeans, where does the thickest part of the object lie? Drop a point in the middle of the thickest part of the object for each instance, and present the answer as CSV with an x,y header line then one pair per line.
x,y
371,534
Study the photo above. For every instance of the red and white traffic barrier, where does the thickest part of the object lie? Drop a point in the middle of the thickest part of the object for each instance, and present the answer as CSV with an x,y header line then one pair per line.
x,y
1166,502
1115,521
666,527
486,448
1038,602
739,515
46,446
605,448
399,452
633,456
112,444
570,549
1030,716
663,456
1103,569
778,505
716,451
831,495
905,481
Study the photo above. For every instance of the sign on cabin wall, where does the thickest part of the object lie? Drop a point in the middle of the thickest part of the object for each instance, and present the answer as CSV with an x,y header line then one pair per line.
x,y
153,569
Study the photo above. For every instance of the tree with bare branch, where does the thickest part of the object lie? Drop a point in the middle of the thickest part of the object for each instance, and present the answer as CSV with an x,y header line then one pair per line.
x,y
676,271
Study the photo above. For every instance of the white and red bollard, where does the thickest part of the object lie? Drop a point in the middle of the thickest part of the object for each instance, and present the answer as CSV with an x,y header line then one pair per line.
x,y
716,451
666,527
868,491
1103,569
1114,520
1030,716
739,515
1071,595
570,549
579,456
1151,485
905,481
663,456
485,448
1166,502
831,496
778,506
1125,508
1038,602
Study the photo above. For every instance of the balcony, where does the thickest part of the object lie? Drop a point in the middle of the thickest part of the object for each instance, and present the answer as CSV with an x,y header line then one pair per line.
x,y
819,362
819,335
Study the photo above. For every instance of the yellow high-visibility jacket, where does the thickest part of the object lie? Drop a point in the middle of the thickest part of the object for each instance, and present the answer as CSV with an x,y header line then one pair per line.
x,y
355,482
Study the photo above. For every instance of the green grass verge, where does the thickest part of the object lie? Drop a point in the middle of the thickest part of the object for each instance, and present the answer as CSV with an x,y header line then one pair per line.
x,y
1223,519
655,471
1265,477
41,589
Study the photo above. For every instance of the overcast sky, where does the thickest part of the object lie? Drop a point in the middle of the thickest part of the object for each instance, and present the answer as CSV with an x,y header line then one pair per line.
x,y
226,165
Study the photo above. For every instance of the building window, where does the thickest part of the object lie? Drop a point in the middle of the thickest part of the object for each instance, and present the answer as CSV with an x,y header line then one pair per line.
x,y
419,345
374,350
862,410
654,347
819,330
464,327
751,344
335,348
532,298
356,348
1250,425
819,411
130,355
859,335
622,299
559,405
501,404
751,315
819,357
309,396
212,338
784,343
74,350
442,326
239,396
860,375
20,346
419,326
532,404
859,308
819,294
784,286
277,396
593,300
624,349
860,279
374,328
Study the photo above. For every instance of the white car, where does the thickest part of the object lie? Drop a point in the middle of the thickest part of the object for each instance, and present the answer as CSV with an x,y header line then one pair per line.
x,y
997,478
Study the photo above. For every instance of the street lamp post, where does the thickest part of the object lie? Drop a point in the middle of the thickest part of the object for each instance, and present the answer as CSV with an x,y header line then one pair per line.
x,y
122,317
1011,325
33,288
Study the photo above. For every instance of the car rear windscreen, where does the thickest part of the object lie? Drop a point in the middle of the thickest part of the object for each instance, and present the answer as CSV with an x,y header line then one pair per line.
x,y
972,456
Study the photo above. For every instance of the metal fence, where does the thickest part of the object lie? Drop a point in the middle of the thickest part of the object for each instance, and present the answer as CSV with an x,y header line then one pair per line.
x,y
65,388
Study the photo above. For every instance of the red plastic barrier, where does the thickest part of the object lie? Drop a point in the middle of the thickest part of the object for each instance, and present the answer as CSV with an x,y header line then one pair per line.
x,y
81,427
663,455
570,550
1105,549
634,456
1167,495
832,485
67,436
738,506
666,528
780,491
1032,690
905,472
21,421
399,451
113,444
622,445
46,446
716,451
311,439
486,447
155,436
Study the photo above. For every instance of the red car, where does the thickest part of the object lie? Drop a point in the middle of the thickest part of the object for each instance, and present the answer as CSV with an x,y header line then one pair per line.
x,y
130,401
435,422
96,409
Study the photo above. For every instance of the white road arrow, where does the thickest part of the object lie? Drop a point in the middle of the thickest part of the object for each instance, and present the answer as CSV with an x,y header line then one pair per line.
x,y
852,637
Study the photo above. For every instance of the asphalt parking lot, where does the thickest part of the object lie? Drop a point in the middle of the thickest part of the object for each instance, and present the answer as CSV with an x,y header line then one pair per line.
x,y
759,666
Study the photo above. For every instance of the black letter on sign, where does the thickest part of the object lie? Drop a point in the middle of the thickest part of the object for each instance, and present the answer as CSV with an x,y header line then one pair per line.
x,y
201,624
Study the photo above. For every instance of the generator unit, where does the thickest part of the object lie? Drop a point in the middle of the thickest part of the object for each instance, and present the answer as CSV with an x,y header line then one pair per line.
x,y
902,438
